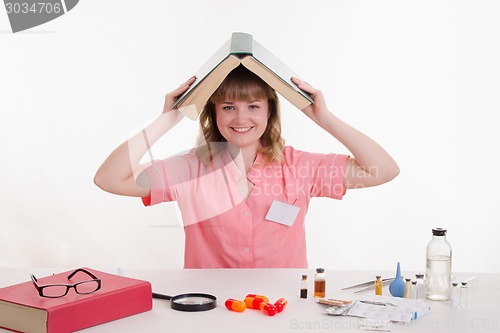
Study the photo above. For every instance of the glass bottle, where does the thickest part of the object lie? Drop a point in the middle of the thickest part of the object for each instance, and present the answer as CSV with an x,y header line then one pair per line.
x,y
320,283
303,287
407,293
414,290
438,266
421,290
463,295
455,295
378,285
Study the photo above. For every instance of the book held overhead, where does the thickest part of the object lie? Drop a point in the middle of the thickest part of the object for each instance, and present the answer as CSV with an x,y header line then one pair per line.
x,y
240,50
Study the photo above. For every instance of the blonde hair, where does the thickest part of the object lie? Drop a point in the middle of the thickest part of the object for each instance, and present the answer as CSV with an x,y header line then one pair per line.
x,y
240,85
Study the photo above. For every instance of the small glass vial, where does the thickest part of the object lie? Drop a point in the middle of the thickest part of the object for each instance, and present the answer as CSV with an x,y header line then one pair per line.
x,y
421,290
407,293
378,285
455,295
320,283
414,290
303,287
463,295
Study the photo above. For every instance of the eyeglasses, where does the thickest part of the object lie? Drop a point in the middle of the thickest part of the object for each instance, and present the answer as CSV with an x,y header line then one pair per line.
x,y
60,290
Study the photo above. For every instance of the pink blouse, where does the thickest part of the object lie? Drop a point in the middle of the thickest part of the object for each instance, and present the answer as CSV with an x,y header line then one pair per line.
x,y
225,226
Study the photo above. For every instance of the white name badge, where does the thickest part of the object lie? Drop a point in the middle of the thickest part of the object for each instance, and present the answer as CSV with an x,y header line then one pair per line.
x,y
283,213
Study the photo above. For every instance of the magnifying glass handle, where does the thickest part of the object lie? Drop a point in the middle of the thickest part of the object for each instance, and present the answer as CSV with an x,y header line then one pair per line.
x,y
161,296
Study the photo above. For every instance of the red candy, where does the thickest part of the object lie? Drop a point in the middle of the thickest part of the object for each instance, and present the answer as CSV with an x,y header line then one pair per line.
x,y
280,304
235,305
268,308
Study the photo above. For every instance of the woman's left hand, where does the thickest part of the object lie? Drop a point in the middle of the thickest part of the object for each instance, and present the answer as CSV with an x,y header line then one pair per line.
x,y
318,108
370,165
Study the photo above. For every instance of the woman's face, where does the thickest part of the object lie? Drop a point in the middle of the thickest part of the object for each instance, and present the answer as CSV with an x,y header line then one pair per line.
x,y
242,123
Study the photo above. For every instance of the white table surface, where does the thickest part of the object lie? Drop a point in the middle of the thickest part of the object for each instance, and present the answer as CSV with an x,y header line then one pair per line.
x,y
300,315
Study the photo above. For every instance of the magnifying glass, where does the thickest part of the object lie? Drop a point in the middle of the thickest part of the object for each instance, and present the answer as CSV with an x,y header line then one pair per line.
x,y
190,302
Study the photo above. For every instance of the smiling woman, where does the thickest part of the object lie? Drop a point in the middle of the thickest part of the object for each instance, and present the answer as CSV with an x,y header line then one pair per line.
x,y
243,111
243,124
243,195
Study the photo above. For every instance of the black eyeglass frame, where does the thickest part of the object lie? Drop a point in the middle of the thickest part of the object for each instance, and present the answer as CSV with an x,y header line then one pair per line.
x,y
40,288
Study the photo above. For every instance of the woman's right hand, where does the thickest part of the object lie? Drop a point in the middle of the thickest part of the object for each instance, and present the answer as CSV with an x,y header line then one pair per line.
x,y
120,170
172,96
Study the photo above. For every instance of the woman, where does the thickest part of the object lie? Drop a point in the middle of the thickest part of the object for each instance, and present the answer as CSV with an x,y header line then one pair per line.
x,y
244,195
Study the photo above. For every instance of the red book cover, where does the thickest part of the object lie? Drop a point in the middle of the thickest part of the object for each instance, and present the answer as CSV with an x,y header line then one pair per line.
x,y
23,309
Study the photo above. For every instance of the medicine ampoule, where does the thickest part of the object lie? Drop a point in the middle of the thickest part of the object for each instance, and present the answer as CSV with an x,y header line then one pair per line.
x,y
407,293
320,283
414,290
378,285
463,294
421,289
455,295
303,287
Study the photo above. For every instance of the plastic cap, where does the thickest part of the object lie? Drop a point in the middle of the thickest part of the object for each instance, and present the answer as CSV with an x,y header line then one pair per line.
x,y
320,270
439,232
304,276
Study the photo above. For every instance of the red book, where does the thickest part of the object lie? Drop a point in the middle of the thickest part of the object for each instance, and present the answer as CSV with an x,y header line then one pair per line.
x,y
23,309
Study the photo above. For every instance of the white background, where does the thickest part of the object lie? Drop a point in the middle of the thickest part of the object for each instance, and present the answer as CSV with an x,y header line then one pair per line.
x,y
420,77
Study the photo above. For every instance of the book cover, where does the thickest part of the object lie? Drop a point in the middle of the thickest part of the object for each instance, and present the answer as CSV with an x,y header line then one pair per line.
x,y
240,49
23,309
